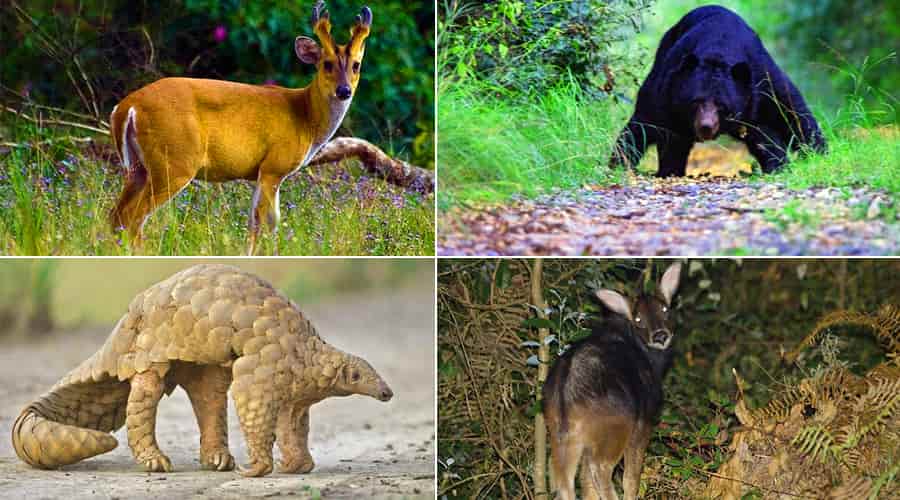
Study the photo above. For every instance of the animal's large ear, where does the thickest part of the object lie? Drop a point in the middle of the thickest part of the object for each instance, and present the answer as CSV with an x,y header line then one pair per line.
x,y
669,282
307,50
615,302
741,73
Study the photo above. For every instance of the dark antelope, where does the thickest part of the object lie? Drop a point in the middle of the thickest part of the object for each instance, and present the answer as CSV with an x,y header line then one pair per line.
x,y
603,395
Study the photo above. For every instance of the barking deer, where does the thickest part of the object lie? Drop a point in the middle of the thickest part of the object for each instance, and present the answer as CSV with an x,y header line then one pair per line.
x,y
603,395
176,130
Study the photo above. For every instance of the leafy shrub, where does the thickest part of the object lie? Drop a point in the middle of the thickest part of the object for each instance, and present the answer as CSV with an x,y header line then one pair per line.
x,y
106,49
529,45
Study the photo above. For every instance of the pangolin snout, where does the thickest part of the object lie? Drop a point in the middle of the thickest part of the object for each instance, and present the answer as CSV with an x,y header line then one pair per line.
x,y
384,393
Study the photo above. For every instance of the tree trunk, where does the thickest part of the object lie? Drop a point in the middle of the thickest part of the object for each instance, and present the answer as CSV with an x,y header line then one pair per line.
x,y
540,429
378,163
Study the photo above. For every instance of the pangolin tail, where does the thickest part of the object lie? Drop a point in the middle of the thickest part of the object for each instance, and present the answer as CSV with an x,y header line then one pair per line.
x,y
70,424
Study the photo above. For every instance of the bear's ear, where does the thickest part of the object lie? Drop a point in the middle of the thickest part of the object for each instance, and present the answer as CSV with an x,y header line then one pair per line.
x,y
689,63
741,73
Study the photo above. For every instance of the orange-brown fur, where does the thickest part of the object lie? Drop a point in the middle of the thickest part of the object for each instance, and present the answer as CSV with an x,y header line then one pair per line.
x,y
186,128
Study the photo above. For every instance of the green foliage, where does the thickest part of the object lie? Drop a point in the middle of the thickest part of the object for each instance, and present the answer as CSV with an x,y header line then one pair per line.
x,y
55,194
530,45
122,45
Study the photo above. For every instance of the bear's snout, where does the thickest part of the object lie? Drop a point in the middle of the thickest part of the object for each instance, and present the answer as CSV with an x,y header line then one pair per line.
x,y
706,122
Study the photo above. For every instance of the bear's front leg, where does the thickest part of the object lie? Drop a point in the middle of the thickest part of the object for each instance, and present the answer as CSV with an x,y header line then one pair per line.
x,y
256,410
292,434
767,146
632,143
673,156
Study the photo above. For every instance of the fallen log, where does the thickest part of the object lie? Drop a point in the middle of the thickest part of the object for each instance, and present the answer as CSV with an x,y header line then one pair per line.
x,y
377,162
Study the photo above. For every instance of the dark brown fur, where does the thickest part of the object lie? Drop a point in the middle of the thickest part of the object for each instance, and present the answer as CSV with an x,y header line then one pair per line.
x,y
603,395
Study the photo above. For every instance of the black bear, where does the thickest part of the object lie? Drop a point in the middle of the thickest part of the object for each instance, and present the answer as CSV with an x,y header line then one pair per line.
x,y
712,75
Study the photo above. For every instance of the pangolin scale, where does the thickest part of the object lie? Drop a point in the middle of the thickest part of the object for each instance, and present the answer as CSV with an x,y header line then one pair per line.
x,y
205,329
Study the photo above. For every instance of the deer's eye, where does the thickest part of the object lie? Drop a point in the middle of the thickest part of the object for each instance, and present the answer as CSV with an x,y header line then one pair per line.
x,y
637,320
356,66
328,65
665,309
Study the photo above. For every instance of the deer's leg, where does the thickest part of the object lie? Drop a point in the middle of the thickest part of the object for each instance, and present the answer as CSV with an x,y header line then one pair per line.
x,y
146,391
608,437
588,488
207,387
565,454
256,410
292,433
265,207
634,459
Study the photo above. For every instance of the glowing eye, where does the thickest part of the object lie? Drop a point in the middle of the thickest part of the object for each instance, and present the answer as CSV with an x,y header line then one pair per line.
x,y
327,65
665,309
637,320
356,66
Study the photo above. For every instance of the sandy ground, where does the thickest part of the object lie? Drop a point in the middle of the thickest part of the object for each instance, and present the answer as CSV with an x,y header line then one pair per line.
x,y
363,448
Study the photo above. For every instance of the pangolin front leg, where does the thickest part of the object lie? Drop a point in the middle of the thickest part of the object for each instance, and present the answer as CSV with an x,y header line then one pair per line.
x,y
292,434
256,412
207,388
146,391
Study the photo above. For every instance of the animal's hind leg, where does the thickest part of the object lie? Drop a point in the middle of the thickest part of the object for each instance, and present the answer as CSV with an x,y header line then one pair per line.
x,y
634,459
565,455
599,472
207,387
146,390
588,488
292,433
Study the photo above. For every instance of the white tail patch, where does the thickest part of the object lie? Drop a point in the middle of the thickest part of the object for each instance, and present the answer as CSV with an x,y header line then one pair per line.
x,y
131,149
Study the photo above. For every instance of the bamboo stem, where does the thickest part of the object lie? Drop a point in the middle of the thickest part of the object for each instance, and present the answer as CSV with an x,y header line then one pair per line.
x,y
540,429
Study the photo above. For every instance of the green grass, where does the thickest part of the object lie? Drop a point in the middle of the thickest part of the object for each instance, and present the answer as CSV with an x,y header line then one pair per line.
x,y
856,157
494,145
55,195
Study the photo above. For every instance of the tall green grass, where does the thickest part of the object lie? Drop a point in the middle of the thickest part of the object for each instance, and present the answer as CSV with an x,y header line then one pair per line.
x,y
55,195
495,144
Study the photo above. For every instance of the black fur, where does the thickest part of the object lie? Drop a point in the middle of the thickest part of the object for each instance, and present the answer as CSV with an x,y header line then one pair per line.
x,y
711,53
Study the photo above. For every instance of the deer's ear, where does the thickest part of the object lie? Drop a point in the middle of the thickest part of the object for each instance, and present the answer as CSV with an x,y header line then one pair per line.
x,y
669,282
307,50
615,302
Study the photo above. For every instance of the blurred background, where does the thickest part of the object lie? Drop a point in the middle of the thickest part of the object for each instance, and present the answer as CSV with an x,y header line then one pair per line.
x,y
748,315
40,296
86,55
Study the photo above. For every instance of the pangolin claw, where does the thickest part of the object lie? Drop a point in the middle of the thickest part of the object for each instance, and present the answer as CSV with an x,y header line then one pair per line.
x,y
160,463
219,461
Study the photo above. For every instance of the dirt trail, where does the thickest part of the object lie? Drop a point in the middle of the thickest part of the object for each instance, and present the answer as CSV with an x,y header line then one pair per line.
x,y
683,216
363,448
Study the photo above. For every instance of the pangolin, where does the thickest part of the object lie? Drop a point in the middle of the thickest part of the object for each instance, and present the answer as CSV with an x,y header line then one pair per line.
x,y
206,328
